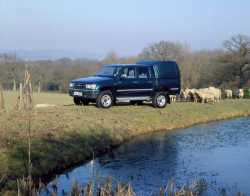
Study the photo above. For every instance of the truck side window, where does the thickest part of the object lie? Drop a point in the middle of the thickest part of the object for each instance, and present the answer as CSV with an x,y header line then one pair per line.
x,y
151,72
143,72
116,72
128,72
131,72
156,70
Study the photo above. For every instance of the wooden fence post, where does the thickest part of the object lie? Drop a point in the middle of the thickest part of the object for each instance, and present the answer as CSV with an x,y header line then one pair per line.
x,y
1,98
25,93
20,97
39,87
27,87
14,85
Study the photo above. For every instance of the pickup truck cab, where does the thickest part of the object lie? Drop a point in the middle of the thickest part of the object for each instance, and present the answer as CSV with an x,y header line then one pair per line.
x,y
152,81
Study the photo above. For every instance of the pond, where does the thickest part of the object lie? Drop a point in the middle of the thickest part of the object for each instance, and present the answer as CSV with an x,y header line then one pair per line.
x,y
217,152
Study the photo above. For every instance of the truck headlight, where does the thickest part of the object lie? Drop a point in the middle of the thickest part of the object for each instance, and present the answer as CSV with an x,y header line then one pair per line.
x,y
91,86
71,85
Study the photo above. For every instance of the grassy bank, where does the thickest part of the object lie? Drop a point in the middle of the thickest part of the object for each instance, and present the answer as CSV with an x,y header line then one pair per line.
x,y
64,136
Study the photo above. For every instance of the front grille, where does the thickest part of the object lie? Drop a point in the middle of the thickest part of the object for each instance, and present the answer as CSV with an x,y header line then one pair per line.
x,y
79,86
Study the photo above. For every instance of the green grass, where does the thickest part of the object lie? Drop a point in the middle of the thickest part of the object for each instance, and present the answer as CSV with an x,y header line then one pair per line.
x,y
64,136
10,99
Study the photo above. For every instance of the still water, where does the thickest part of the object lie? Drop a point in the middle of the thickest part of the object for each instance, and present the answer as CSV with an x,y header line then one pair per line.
x,y
217,152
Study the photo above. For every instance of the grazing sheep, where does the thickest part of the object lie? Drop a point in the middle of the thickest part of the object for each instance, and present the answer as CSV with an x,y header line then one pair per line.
x,y
237,93
192,95
184,94
216,92
212,91
228,94
172,98
240,93
205,96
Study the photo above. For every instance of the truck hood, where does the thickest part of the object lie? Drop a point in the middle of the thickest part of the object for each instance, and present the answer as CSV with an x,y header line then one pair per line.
x,y
91,79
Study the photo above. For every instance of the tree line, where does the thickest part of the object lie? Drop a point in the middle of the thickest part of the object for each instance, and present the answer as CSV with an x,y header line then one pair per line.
x,y
227,67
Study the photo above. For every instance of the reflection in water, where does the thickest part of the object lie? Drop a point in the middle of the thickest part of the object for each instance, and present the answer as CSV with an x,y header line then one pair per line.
x,y
217,152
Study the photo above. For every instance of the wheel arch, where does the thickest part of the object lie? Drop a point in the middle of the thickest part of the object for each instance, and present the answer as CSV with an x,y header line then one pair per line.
x,y
99,99
107,88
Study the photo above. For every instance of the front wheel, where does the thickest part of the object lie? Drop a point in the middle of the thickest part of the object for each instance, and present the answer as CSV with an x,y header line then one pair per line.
x,y
104,100
85,102
160,100
77,101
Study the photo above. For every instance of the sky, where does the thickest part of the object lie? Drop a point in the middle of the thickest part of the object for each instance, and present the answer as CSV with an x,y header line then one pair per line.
x,y
125,27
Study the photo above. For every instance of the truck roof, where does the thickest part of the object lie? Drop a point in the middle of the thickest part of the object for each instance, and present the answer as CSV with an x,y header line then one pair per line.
x,y
153,62
121,65
143,63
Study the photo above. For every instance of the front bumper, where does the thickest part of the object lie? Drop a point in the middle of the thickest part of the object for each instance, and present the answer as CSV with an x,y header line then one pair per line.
x,y
87,94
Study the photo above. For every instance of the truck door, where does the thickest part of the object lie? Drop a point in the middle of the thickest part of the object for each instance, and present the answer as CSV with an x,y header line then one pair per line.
x,y
127,83
144,81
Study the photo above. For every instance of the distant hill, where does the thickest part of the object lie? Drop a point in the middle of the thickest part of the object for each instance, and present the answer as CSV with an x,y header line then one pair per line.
x,y
50,54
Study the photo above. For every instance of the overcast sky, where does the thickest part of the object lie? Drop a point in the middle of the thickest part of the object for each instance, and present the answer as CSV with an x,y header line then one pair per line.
x,y
127,26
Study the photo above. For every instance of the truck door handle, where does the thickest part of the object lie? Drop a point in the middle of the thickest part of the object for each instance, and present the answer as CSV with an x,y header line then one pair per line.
x,y
135,82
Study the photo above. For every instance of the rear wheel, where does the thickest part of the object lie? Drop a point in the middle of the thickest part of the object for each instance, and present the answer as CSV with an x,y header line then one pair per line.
x,y
77,100
160,100
104,99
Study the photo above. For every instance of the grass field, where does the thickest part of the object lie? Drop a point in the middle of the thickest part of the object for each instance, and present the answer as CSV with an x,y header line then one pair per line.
x,y
66,135
10,99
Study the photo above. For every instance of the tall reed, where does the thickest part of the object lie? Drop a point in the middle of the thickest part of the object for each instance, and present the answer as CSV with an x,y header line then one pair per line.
x,y
26,186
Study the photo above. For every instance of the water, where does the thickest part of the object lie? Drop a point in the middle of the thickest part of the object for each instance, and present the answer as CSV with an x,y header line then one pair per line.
x,y
217,152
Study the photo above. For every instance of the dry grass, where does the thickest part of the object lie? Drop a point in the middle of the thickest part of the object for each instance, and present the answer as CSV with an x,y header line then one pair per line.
x,y
48,98
63,136
110,188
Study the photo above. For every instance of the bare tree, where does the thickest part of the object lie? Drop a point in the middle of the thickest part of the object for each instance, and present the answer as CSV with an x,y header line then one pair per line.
x,y
112,57
163,50
238,55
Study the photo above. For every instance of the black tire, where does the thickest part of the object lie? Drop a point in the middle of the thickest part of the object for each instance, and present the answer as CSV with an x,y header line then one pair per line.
x,y
77,101
160,100
104,99
85,102
136,102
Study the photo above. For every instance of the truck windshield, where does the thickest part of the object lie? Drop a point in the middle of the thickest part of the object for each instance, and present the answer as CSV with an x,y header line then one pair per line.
x,y
107,71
